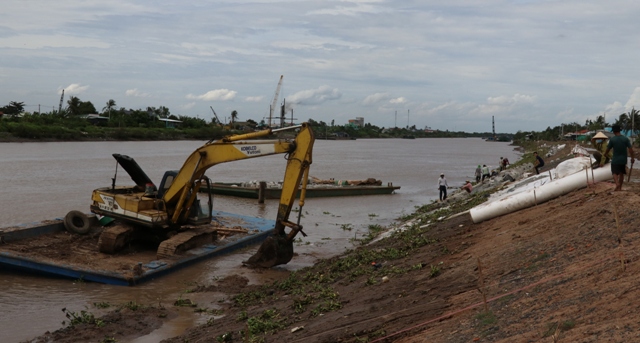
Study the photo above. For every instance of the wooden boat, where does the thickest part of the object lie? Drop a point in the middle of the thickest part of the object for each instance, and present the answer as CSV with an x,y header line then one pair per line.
x,y
46,248
341,189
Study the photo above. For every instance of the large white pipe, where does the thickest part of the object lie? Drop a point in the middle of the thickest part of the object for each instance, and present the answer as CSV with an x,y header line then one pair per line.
x,y
538,195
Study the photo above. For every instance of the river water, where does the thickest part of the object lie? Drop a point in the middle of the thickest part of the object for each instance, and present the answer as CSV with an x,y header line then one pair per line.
x,y
46,180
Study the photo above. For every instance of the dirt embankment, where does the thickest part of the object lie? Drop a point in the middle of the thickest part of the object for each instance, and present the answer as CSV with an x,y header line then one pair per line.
x,y
563,271
126,322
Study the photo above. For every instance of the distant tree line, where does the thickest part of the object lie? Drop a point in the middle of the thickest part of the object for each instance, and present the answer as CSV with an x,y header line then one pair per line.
x,y
628,121
119,123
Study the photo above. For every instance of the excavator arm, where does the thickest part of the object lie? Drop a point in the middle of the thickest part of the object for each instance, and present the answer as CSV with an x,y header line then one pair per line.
x,y
278,248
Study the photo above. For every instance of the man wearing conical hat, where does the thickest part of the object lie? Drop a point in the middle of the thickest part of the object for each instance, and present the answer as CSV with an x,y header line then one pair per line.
x,y
599,141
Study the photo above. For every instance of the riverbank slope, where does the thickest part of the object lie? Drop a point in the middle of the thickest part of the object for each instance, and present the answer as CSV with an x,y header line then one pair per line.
x,y
563,271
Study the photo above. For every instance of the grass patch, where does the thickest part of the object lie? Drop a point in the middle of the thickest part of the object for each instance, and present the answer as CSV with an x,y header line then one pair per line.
x,y
82,317
486,319
554,327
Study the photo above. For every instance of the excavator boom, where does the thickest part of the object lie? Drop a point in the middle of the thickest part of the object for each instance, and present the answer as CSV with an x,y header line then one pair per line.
x,y
232,148
278,248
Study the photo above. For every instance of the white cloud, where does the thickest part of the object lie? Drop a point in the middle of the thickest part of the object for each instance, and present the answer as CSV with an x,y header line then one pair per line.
x,y
569,115
400,100
188,106
375,98
315,96
634,100
614,109
511,100
136,93
74,88
358,7
51,41
215,95
254,98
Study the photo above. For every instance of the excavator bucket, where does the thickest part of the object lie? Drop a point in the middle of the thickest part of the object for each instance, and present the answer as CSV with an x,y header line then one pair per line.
x,y
275,250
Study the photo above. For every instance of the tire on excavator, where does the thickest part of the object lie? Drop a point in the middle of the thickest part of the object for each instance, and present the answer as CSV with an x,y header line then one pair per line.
x,y
77,222
274,250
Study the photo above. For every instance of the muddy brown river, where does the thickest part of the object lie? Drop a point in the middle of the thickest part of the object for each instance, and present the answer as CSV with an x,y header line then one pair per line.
x,y
46,180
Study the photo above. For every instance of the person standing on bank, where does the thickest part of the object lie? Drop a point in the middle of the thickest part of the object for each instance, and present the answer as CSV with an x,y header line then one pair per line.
x,y
539,163
485,172
478,173
620,145
442,186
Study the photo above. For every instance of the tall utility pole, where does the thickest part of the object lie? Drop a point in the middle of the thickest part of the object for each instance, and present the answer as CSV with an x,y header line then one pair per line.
x,y
395,122
633,110
282,113
407,119
493,125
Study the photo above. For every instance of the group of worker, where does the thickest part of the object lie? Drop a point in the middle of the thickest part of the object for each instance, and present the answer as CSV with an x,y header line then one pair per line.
x,y
615,149
442,187
482,172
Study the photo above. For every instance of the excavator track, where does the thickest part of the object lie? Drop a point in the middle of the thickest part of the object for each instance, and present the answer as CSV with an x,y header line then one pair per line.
x,y
186,240
115,238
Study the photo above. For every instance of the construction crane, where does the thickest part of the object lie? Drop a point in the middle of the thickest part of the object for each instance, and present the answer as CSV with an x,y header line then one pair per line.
x,y
275,100
60,106
214,113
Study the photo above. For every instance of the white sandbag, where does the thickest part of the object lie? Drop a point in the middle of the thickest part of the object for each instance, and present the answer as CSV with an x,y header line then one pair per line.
x,y
574,165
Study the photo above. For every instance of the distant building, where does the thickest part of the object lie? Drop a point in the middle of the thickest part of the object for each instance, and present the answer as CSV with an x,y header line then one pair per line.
x,y
358,122
95,118
580,135
628,133
170,123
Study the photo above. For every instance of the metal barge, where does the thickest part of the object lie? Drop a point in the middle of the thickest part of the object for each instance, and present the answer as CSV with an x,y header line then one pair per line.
x,y
239,189
46,248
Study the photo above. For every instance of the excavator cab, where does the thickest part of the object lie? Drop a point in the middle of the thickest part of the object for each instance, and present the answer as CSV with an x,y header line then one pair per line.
x,y
197,215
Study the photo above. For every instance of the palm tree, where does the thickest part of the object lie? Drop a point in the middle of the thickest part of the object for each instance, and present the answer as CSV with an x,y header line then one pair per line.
x,y
634,117
601,122
73,105
110,104
16,106
624,121
234,116
164,111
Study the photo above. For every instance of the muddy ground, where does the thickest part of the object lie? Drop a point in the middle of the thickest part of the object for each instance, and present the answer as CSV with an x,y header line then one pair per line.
x,y
563,271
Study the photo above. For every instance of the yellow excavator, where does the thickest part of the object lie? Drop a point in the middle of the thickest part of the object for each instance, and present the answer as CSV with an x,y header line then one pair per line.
x,y
171,214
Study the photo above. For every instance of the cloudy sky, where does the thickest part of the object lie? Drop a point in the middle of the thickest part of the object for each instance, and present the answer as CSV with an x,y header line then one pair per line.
x,y
450,65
